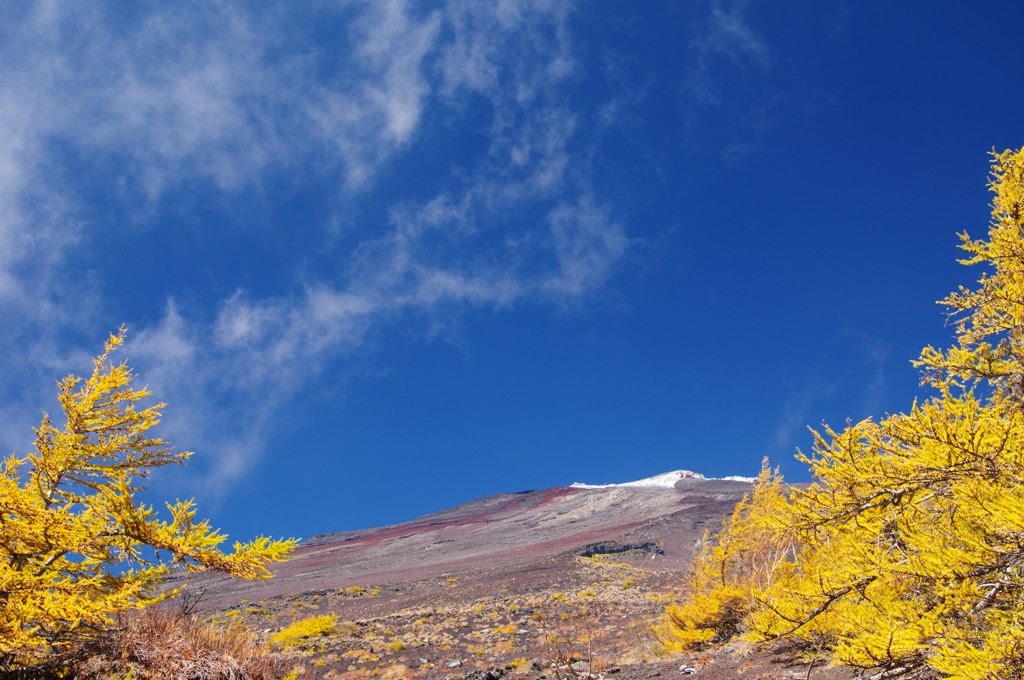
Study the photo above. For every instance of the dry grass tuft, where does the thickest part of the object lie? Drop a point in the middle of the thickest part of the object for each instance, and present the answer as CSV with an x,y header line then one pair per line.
x,y
161,643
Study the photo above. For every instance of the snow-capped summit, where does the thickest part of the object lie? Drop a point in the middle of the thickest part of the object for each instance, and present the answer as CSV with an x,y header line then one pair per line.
x,y
665,480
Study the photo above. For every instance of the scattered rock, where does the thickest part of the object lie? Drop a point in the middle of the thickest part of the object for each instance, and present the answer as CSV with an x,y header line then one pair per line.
x,y
489,674
453,664
615,547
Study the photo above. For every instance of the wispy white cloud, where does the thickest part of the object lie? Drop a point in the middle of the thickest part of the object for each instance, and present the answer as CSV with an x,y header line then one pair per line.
x,y
165,99
730,35
179,95
863,370
260,352
874,363
370,106
509,50
588,243
728,42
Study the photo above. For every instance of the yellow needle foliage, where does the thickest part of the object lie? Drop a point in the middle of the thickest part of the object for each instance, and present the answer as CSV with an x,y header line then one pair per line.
x,y
299,631
908,550
748,554
75,547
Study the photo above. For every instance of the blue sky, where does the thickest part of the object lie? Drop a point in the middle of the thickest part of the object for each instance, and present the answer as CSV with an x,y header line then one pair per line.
x,y
380,258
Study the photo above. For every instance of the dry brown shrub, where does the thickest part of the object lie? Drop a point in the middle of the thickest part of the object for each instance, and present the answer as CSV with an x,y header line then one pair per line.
x,y
397,671
349,628
569,642
161,643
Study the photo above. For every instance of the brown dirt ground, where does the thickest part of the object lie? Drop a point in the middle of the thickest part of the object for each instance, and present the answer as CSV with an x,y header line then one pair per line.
x,y
511,622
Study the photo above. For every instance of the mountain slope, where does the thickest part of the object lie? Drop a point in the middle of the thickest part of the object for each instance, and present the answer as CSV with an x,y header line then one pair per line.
x,y
561,582
660,519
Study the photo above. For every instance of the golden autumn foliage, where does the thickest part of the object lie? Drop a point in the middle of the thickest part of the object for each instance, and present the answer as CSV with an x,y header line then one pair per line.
x,y
744,558
908,552
298,631
75,546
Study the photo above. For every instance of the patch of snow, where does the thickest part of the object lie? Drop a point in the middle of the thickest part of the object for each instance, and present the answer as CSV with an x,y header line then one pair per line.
x,y
666,480
737,478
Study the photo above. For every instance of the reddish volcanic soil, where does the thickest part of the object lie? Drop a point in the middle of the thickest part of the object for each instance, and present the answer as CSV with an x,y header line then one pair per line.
x,y
501,530
504,586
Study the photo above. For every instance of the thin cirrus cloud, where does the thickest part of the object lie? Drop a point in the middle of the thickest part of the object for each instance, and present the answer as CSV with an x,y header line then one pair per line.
x,y
270,346
807,402
139,105
728,43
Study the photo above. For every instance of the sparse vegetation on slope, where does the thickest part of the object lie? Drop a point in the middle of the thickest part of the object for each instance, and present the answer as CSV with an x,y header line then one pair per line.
x,y
479,621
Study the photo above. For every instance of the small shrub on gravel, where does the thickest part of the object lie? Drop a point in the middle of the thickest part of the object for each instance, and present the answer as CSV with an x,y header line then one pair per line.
x,y
298,632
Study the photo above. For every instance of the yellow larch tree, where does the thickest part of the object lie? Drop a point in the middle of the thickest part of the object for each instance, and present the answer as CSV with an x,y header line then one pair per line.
x,y
909,553
747,555
75,546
